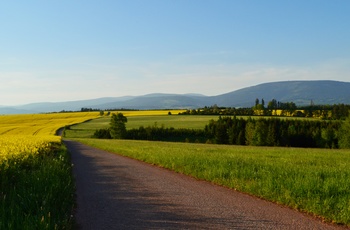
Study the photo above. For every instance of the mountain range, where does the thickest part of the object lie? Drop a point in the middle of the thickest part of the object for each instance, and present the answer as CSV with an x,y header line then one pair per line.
x,y
299,92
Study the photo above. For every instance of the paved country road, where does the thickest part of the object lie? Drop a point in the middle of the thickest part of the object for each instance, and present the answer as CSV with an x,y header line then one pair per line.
x,y
115,192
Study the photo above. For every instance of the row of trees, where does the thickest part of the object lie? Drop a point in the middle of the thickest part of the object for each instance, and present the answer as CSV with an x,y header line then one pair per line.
x,y
274,104
234,131
276,108
215,110
274,132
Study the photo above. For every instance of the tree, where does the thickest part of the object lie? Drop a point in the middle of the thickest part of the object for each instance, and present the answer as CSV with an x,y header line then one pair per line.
x,y
256,102
260,133
271,136
221,136
117,126
328,137
250,132
272,104
344,134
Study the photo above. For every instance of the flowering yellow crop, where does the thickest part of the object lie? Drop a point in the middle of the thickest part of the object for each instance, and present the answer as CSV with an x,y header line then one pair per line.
x,y
24,145
149,112
23,135
41,124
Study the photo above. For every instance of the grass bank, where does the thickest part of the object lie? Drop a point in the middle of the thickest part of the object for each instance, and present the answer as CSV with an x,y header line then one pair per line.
x,y
312,180
37,191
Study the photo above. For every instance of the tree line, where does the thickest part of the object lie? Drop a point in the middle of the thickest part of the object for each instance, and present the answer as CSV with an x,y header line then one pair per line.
x,y
277,108
239,131
274,132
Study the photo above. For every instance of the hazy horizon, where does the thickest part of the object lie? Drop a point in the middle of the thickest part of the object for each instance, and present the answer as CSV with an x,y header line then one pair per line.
x,y
71,50
156,93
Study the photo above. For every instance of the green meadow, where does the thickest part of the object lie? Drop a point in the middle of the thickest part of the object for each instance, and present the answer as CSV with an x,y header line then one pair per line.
x,y
136,119
87,129
315,181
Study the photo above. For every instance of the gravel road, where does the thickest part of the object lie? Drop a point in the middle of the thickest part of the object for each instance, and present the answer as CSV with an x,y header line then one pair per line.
x,y
115,192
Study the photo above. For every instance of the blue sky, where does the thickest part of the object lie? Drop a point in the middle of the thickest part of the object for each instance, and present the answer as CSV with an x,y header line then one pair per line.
x,y
72,50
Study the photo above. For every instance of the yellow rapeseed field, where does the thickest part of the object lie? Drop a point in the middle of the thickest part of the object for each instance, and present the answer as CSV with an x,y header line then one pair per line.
x,y
41,124
22,135
149,112
24,145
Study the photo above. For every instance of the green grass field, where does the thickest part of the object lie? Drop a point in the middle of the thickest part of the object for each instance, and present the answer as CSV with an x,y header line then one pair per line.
x,y
151,118
315,181
87,129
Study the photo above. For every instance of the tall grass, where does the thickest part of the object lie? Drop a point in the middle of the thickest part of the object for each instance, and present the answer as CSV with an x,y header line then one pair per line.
x,y
312,180
37,191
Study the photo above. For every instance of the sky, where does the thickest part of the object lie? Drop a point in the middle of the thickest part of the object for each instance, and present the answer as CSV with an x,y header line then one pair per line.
x,y
53,51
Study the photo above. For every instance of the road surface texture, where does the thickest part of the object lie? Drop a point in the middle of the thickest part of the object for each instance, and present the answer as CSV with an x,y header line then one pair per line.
x,y
116,192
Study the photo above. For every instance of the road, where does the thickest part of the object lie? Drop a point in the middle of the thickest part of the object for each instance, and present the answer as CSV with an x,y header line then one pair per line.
x,y
115,192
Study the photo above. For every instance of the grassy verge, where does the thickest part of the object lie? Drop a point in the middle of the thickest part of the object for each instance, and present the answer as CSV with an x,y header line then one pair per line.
x,y
37,192
312,180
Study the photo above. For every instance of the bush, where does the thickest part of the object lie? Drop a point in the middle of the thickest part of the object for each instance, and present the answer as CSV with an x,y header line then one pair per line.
x,y
102,134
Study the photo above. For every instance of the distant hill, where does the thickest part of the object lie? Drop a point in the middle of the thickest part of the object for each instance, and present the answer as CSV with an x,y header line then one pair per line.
x,y
11,110
299,92
72,105
159,101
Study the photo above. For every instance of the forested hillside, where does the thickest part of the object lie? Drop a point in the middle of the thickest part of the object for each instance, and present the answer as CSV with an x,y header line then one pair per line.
x,y
299,92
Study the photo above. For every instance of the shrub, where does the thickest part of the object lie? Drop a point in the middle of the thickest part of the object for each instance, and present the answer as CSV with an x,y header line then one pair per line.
x,y
102,134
